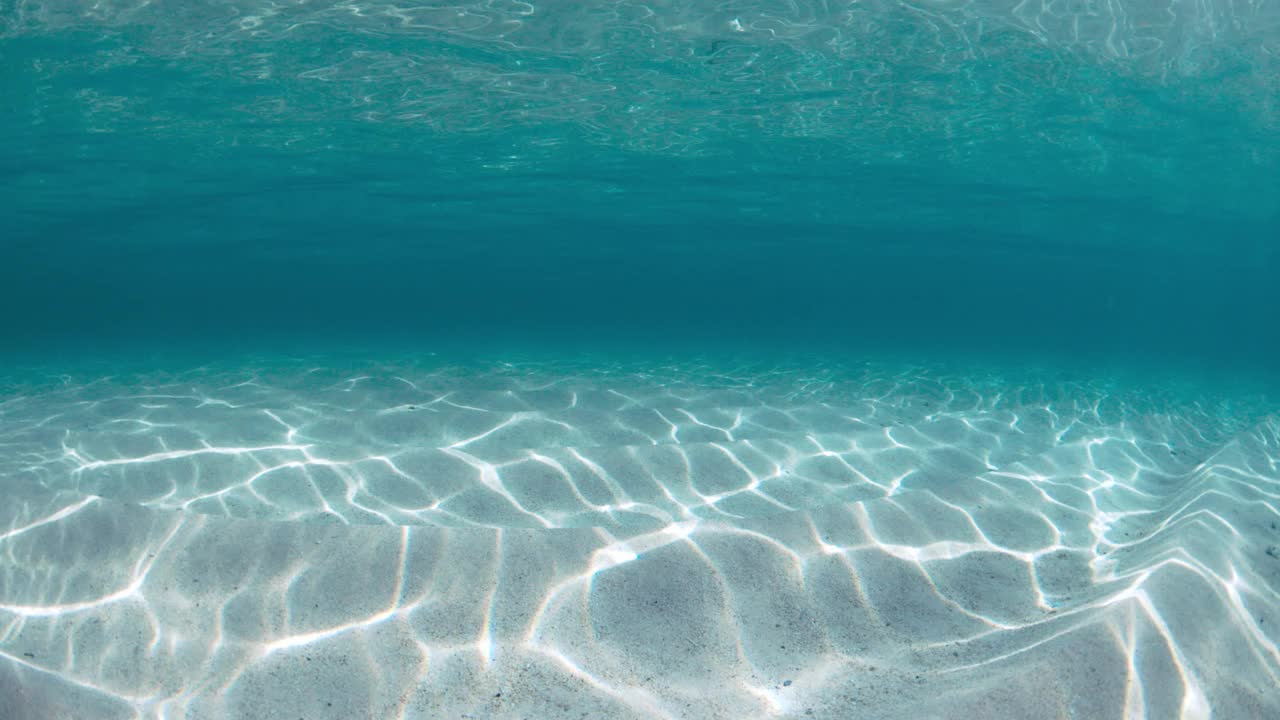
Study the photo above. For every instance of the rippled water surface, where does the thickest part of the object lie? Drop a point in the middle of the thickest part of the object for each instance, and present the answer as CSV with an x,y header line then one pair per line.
x,y
679,359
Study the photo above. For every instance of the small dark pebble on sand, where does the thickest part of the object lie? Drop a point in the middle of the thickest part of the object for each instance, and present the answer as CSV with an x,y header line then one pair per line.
x,y
786,683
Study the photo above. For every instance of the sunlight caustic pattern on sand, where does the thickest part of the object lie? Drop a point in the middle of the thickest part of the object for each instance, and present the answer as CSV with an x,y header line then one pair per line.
x,y
682,540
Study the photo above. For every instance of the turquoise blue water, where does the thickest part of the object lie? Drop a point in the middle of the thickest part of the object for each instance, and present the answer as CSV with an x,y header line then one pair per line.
x,y
661,358
1068,175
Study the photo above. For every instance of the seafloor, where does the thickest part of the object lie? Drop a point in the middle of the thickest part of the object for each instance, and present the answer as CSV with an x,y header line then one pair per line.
x,y
420,537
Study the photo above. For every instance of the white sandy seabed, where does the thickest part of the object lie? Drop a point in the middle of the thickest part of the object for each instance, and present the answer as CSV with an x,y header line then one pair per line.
x,y
313,539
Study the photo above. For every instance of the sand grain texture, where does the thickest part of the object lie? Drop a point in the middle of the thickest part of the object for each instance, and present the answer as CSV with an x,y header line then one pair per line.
x,y
424,540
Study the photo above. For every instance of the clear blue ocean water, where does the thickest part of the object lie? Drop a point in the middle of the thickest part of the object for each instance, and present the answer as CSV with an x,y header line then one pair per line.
x,y
639,358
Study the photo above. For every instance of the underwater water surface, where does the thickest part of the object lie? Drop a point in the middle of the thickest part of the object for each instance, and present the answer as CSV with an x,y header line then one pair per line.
x,y
662,359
